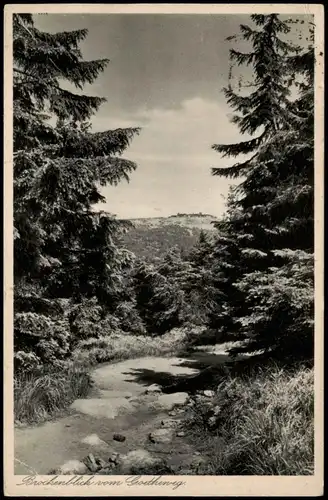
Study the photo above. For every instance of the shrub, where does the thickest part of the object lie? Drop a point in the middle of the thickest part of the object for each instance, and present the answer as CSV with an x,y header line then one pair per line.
x,y
84,319
129,319
39,339
280,304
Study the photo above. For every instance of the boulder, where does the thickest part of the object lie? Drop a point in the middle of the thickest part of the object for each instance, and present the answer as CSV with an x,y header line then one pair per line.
x,y
106,408
209,394
72,467
161,436
154,388
169,401
137,458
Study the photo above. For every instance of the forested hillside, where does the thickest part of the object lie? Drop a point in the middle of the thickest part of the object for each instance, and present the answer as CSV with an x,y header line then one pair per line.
x,y
151,238
91,288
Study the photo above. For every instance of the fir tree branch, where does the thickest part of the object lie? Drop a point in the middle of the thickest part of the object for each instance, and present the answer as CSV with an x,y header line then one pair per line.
x,y
241,147
236,170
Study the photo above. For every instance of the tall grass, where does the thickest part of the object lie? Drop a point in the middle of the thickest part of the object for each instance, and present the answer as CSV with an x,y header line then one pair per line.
x,y
121,346
41,395
264,426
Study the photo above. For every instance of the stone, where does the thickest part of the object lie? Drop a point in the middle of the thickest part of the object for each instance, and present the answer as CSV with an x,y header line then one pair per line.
x,y
137,458
73,467
161,436
107,408
101,463
209,394
114,458
169,401
169,423
94,440
119,437
91,463
180,434
154,388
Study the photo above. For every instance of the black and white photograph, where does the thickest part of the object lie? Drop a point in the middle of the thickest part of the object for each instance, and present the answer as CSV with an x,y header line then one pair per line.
x,y
164,229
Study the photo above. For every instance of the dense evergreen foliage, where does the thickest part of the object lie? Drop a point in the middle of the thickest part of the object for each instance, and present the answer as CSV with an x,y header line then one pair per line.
x,y
266,242
63,248
75,282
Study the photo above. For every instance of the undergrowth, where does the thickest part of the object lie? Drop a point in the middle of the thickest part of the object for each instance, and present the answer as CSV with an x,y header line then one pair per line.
x,y
263,424
41,394
122,346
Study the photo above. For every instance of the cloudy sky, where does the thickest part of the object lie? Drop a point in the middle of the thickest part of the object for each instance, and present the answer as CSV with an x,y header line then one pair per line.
x,y
166,74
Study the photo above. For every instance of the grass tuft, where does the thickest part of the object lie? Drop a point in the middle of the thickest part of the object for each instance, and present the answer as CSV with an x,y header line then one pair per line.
x,y
40,395
264,426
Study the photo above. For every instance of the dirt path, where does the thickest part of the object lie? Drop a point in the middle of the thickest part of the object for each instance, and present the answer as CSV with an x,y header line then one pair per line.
x,y
118,404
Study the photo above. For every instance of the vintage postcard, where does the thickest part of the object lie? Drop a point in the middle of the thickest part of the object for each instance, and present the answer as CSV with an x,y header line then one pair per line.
x,y
163,218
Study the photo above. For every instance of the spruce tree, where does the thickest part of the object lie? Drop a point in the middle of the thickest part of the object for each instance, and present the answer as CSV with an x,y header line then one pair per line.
x,y
280,301
63,248
265,111
269,229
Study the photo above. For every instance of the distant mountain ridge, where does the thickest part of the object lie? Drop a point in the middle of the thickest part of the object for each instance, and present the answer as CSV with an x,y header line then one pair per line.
x,y
152,237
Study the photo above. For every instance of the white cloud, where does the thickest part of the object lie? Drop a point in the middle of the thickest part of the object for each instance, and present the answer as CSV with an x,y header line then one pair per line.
x,y
174,159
